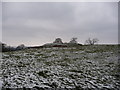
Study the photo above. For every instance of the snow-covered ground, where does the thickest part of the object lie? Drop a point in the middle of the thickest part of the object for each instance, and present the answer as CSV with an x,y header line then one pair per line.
x,y
81,67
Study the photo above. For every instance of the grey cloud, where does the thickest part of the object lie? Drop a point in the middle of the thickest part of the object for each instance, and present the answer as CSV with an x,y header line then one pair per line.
x,y
43,22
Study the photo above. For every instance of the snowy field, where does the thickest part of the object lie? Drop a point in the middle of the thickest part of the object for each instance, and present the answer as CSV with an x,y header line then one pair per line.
x,y
94,67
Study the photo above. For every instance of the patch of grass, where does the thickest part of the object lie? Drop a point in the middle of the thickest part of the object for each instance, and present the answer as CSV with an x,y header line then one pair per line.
x,y
5,57
21,65
39,55
85,57
18,57
40,59
64,64
43,74
45,56
76,71
54,55
48,63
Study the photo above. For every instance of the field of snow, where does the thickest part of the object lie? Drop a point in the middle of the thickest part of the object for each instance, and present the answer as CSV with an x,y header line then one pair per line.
x,y
79,67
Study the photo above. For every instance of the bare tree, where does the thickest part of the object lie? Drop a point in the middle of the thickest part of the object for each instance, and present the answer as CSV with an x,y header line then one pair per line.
x,y
90,41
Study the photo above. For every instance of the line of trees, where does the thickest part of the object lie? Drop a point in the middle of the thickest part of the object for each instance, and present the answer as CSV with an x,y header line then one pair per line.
x,y
73,42
89,41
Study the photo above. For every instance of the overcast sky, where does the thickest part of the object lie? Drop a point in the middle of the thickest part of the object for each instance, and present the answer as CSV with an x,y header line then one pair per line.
x,y
37,23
